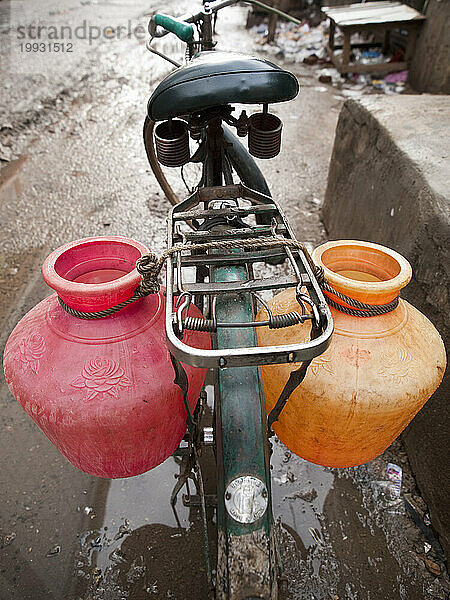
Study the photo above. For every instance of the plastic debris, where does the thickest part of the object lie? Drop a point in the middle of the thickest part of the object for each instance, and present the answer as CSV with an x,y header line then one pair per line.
x,y
307,494
394,474
370,57
399,76
285,478
433,567
7,539
308,45
123,530
54,551
387,491
315,536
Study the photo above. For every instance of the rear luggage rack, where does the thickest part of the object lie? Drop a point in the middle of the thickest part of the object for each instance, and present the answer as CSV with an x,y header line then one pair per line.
x,y
234,226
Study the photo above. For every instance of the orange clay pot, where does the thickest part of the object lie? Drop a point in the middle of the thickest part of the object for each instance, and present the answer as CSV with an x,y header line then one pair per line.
x,y
377,373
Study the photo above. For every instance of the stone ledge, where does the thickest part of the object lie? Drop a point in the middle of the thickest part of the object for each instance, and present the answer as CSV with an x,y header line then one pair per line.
x,y
388,183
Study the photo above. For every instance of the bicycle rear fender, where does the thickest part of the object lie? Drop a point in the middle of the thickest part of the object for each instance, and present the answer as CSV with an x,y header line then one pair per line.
x,y
246,551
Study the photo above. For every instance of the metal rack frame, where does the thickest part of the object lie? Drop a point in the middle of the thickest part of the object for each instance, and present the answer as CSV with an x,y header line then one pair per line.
x,y
197,207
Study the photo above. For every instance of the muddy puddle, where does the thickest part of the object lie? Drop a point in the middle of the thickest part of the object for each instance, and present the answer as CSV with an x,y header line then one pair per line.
x,y
135,546
338,539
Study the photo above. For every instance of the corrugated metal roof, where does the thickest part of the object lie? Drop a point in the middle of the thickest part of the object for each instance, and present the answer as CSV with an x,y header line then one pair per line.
x,y
371,13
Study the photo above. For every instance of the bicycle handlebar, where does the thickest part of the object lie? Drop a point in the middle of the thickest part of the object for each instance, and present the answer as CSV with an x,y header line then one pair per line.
x,y
184,31
182,28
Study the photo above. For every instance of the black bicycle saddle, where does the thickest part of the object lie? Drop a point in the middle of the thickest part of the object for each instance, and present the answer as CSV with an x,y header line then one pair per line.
x,y
216,78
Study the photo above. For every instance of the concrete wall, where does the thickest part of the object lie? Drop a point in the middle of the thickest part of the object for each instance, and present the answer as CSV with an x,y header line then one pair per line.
x,y
388,183
430,67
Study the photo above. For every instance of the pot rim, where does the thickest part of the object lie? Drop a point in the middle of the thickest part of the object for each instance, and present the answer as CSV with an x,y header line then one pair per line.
x,y
375,288
67,288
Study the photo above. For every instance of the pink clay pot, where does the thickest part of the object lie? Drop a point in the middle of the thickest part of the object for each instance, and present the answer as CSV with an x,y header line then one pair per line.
x,y
101,390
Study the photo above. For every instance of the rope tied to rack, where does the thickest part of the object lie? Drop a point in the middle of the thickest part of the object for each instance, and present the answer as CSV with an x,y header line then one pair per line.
x,y
149,267
355,308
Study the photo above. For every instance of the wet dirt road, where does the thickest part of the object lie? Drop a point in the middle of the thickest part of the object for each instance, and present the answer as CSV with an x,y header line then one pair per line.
x,y
74,165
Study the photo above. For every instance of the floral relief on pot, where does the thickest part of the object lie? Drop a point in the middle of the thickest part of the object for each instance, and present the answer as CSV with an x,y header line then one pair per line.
x,y
396,365
355,356
102,376
321,362
31,350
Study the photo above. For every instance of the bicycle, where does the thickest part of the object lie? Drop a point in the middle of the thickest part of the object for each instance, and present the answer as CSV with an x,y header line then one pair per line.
x,y
223,231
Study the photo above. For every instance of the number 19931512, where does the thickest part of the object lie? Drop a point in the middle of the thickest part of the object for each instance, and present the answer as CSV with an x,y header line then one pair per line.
x,y
46,47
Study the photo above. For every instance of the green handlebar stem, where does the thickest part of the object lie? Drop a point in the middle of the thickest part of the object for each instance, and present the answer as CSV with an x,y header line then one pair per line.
x,y
184,31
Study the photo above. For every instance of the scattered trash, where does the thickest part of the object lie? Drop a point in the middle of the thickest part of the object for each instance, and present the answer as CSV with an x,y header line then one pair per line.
x,y
123,530
308,45
261,29
368,57
307,494
433,567
316,536
394,474
296,42
152,589
117,556
286,477
7,539
287,456
421,519
387,491
88,510
378,84
137,570
96,544
399,76
96,576
54,551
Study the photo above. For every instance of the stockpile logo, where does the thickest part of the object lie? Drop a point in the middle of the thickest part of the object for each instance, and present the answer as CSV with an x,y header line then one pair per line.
x,y
39,41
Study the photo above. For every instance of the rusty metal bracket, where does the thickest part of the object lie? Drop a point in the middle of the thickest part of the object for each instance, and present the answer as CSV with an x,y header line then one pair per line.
x,y
295,379
181,380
